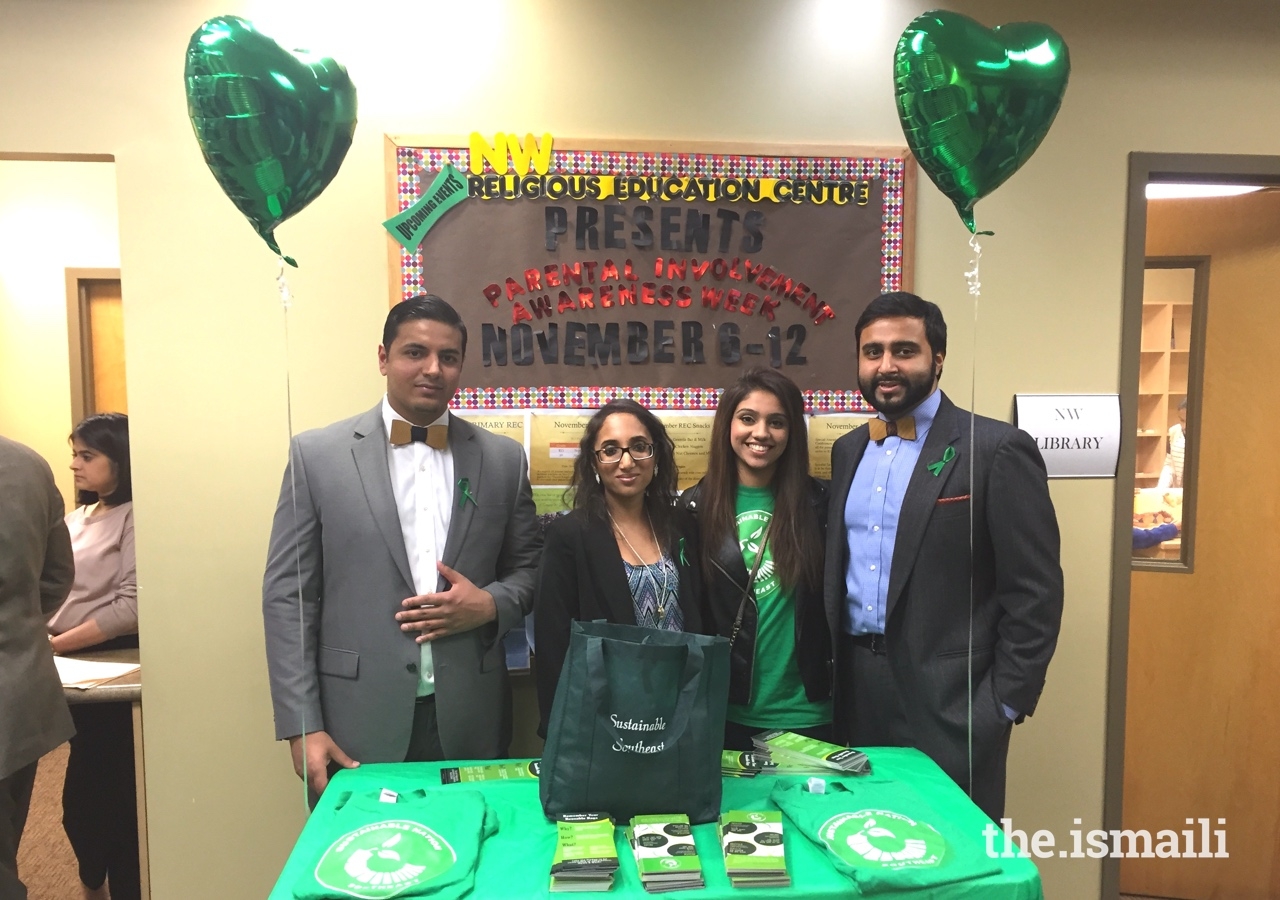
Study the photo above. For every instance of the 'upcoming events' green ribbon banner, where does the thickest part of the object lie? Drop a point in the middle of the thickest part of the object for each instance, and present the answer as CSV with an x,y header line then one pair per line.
x,y
447,190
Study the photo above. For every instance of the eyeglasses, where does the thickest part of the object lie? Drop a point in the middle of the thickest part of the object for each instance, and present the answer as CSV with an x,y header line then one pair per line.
x,y
611,455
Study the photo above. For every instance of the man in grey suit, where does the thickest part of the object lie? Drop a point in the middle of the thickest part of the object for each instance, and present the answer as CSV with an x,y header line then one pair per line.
x,y
404,547
943,584
36,571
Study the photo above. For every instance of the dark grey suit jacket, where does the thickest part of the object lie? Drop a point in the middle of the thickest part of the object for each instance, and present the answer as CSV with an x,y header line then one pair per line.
x,y
337,571
1013,565
36,572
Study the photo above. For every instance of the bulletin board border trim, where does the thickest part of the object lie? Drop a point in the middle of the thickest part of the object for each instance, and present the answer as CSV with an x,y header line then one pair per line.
x,y
661,398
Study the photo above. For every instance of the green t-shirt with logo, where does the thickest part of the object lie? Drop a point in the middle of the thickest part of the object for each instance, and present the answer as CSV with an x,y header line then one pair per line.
x,y
414,844
885,836
777,693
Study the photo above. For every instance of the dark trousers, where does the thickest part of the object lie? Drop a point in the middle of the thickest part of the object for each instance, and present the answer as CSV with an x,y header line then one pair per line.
x,y
15,800
424,740
738,736
99,802
872,713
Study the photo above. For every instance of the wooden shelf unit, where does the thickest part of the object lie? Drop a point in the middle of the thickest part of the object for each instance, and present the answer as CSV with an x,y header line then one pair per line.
x,y
1162,380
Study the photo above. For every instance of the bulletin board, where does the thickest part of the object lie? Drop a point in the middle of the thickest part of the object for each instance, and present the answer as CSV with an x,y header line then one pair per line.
x,y
656,271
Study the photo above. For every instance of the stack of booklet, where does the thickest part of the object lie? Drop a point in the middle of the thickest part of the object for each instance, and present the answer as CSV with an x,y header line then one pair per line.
x,y
586,857
665,854
748,764
752,843
504,771
794,754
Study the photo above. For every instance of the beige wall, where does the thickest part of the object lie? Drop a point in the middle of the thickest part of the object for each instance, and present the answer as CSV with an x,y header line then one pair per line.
x,y
205,341
53,216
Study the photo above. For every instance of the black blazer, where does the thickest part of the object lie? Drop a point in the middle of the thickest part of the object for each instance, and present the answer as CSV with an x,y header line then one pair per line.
x,y
582,577
1015,572
725,588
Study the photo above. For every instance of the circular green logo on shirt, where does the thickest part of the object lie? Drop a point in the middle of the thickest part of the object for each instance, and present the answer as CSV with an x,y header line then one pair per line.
x,y
877,838
384,859
751,526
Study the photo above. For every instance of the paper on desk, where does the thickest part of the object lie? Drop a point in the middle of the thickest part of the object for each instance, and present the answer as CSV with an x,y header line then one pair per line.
x,y
84,673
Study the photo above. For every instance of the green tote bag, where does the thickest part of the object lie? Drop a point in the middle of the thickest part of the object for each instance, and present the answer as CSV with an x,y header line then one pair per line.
x,y
637,724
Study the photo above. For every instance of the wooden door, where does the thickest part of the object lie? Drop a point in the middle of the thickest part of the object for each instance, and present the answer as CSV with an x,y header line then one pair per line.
x,y
106,332
1202,731
95,320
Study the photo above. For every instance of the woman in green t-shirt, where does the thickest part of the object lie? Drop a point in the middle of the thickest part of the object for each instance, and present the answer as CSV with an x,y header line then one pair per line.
x,y
762,521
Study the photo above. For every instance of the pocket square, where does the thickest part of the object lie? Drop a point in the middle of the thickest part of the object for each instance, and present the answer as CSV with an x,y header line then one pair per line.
x,y
959,499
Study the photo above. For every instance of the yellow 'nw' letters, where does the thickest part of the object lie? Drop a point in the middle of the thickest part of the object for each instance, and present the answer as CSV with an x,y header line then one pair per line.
x,y
531,152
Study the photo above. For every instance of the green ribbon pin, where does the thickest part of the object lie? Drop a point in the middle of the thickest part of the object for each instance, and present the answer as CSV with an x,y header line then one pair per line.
x,y
464,485
947,455
683,560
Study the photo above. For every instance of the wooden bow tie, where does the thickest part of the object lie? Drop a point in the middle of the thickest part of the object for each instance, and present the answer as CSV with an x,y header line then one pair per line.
x,y
434,436
904,428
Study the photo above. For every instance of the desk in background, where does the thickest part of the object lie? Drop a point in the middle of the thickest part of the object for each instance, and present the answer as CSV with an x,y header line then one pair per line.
x,y
516,861
125,689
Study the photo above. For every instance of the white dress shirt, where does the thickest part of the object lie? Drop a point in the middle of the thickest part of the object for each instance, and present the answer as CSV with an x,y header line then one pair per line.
x,y
422,481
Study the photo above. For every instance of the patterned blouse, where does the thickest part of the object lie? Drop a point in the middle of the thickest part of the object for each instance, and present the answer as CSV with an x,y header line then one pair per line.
x,y
646,584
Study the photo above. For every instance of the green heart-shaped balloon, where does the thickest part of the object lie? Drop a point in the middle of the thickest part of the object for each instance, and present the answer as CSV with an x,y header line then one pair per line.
x,y
274,125
974,102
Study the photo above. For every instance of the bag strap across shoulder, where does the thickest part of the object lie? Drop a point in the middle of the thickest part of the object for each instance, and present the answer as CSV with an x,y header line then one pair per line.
x,y
751,580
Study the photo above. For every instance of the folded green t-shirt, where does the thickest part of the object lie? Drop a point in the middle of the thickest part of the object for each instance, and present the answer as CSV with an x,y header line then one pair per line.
x,y
884,835
421,844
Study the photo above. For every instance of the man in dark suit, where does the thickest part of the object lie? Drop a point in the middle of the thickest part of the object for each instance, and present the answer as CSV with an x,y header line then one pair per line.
x,y
36,571
404,547
943,587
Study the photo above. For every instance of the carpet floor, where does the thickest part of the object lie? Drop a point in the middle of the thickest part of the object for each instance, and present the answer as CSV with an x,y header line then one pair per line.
x,y
45,861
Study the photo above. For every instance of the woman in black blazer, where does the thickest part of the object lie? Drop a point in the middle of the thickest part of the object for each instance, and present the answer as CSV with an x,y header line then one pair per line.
x,y
758,500
624,553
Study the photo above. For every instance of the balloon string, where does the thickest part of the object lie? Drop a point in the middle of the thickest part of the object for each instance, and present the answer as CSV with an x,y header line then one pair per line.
x,y
971,275
974,279
286,302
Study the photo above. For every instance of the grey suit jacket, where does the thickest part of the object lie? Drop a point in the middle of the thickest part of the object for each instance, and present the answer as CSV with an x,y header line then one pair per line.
x,y
1014,568
36,571
337,571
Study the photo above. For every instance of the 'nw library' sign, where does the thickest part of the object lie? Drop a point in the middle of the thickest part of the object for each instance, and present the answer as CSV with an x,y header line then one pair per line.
x,y
1078,434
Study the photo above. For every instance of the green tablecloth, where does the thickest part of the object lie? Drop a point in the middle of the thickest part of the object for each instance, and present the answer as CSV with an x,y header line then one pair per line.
x,y
515,862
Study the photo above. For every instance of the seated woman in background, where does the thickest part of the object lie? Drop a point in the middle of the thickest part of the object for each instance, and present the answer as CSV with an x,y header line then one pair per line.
x,y
762,520
624,553
99,810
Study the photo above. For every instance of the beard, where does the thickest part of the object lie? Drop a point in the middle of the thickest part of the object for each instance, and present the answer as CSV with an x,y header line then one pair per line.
x,y
917,388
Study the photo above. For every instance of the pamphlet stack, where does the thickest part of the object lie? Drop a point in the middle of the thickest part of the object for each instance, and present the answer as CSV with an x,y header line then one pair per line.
x,y
586,857
666,857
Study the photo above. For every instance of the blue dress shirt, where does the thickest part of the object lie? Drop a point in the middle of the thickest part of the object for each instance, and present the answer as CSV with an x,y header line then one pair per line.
x,y
871,519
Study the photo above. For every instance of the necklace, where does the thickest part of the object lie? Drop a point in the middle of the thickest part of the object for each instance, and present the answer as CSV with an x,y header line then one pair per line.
x,y
666,574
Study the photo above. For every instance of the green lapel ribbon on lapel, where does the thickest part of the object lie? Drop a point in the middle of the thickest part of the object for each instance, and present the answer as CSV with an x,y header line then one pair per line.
x,y
947,455
464,485
683,560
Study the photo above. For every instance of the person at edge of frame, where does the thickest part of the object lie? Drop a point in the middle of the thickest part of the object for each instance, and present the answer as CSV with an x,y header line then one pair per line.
x,y
37,569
